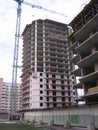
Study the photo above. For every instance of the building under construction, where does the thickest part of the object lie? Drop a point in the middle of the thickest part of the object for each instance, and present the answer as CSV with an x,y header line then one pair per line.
x,y
53,61
84,48
46,77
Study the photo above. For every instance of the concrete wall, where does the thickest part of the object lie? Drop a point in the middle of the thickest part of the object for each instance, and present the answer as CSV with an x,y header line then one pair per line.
x,y
77,116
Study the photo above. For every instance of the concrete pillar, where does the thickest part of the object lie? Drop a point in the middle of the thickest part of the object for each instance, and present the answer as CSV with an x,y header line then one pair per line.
x,y
40,122
33,121
51,123
91,127
67,125
93,49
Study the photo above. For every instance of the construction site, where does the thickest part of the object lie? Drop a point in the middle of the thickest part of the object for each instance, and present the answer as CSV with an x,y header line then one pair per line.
x,y
54,58
59,61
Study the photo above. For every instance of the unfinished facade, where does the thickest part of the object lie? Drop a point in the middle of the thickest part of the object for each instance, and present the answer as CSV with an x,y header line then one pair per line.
x,y
84,51
46,77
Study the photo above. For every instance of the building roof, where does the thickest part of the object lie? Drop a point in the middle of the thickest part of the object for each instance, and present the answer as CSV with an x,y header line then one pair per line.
x,y
85,10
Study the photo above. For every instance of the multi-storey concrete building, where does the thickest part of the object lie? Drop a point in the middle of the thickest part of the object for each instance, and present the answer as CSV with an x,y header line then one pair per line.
x,y
5,96
84,49
46,77
1,84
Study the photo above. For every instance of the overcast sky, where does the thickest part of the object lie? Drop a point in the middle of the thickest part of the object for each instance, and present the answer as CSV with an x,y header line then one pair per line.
x,y
8,14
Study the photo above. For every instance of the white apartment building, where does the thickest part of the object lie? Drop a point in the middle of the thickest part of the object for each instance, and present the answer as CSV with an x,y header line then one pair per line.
x,y
5,96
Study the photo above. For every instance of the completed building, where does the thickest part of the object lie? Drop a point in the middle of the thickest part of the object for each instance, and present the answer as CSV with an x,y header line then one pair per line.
x,y
46,77
84,50
5,96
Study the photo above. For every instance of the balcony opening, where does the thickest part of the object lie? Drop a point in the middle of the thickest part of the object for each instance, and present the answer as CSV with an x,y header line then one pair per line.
x,y
96,47
41,86
54,81
63,99
54,87
63,87
41,98
41,104
54,93
87,71
54,99
47,98
85,54
53,75
63,93
89,85
54,105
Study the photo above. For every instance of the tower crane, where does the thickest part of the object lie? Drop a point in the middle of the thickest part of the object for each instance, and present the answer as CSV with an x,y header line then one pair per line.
x,y
16,47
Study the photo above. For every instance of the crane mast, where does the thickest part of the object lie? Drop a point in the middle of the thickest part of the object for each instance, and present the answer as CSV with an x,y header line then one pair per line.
x,y
15,59
16,48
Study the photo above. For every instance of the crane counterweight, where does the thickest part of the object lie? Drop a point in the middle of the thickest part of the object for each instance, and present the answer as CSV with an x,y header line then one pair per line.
x,y
19,1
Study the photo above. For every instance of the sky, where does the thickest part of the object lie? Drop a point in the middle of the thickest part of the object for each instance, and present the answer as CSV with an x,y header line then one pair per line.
x,y
8,15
